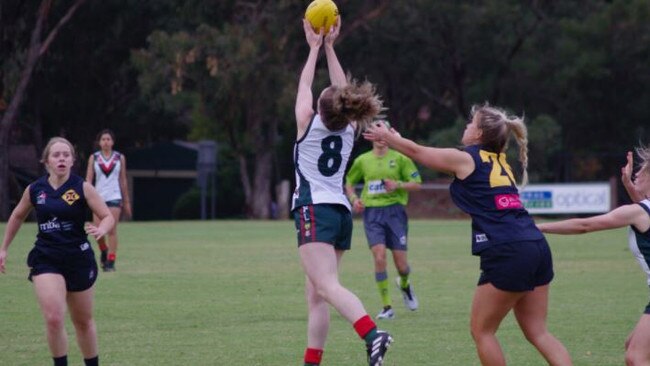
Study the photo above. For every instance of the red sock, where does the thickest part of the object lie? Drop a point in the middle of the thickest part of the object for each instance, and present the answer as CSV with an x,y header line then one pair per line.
x,y
313,356
364,325
112,256
103,247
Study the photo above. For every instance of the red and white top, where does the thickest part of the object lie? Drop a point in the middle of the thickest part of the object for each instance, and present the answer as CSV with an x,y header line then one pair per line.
x,y
107,175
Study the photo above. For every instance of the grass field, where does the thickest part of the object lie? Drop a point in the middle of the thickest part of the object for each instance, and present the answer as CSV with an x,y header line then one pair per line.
x,y
231,293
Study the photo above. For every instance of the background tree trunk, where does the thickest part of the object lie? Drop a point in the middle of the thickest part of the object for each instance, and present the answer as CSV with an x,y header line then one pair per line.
x,y
9,118
261,199
36,49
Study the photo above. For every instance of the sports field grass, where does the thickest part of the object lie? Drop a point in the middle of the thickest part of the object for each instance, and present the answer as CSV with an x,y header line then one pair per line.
x,y
231,293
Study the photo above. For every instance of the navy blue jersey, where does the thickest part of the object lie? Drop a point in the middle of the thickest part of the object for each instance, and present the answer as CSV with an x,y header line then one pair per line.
x,y
490,196
61,213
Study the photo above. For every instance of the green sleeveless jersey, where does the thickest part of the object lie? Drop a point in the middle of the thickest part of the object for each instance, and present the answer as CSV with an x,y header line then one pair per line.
x,y
373,169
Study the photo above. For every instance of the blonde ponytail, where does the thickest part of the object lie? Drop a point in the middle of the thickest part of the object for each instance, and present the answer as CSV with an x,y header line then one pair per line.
x,y
518,128
496,126
644,154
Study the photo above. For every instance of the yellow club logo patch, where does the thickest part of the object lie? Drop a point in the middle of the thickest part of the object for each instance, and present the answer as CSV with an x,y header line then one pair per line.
x,y
70,196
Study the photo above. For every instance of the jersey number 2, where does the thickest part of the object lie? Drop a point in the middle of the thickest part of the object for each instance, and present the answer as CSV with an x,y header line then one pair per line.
x,y
330,160
499,165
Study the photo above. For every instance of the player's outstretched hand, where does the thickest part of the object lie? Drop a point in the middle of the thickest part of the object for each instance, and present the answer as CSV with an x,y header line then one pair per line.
x,y
378,131
333,32
314,40
626,171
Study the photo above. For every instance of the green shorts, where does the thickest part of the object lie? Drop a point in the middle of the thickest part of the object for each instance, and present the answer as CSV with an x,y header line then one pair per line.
x,y
324,223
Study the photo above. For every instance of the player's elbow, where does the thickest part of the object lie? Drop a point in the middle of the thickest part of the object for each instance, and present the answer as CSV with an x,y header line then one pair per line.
x,y
585,227
419,155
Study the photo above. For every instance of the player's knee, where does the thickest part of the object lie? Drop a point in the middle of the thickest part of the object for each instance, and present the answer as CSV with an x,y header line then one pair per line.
x,y
314,298
535,336
635,357
327,290
477,331
54,320
83,324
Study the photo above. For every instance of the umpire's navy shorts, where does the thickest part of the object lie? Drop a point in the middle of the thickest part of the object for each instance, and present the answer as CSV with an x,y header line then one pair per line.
x,y
516,267
78,267
386,225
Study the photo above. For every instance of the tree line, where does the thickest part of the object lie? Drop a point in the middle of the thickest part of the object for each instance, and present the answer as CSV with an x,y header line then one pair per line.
x,y
227,70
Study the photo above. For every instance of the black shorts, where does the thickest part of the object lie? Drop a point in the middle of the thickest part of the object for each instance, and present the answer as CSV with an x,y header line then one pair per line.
x,y
78,269
517,267
324,223
114,203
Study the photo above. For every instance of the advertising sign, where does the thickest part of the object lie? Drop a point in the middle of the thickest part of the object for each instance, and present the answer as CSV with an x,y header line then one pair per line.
x,y
567,198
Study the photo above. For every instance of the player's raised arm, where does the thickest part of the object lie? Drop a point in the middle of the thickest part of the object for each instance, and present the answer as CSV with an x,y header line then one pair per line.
x,y
337,75
626,178
304,108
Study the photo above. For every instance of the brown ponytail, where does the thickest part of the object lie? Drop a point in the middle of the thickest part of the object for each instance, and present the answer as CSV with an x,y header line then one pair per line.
x,y
355,102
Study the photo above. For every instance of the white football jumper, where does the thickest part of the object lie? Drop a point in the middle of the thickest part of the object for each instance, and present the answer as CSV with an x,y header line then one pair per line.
x,y
640,243
107,176
320,158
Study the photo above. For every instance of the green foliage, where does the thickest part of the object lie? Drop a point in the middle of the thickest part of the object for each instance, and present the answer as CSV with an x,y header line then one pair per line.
x,y
580,72
544,145
195,69
224,69
450,136
445,137
218,79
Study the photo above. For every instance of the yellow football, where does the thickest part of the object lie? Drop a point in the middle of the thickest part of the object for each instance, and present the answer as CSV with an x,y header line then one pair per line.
x,y
322,14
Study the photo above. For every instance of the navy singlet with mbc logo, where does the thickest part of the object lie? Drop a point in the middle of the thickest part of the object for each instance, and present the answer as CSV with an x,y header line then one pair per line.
x,y
61,214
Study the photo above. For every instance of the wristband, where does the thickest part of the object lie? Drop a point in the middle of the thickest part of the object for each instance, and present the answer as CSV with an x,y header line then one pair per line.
x,y
399,184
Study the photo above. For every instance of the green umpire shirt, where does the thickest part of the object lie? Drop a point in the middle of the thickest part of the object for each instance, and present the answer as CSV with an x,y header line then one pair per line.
x,y
373,169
